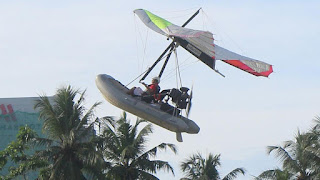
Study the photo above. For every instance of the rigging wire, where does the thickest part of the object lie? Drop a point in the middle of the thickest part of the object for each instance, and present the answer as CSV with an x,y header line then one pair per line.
x,y
177,69
145,49
136,39
185,64
148,68
137,77
184,11
221,31
137,31
143,43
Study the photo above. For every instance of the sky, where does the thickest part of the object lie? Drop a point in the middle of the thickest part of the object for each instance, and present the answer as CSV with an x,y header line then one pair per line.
x,y
45,45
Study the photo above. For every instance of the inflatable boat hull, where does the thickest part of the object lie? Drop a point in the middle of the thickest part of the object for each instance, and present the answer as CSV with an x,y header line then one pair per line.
x,y
116,93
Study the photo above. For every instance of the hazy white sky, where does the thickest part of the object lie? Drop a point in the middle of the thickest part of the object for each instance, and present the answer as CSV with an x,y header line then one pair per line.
x,y
47,44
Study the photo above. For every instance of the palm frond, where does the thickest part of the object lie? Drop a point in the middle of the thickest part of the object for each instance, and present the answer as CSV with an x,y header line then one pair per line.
x,y
70,146
50,154
125,149
269,174
153,166
317,121
109,139
275,174
106,121
281,153
192,166
212,160
146,175
140,139
234,173
38,141
86,117
153,152
48,114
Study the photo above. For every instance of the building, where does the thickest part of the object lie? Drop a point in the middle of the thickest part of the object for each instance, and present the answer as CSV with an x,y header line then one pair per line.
x,y
17,112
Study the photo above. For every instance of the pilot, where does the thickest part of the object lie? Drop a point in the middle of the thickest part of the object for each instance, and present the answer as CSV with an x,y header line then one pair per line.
x,y
151,90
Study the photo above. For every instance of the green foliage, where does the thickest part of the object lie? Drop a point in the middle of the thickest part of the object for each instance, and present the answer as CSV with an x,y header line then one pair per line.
x,y
124,146
70,146
197,167
70,149
17,152
275,174
300,157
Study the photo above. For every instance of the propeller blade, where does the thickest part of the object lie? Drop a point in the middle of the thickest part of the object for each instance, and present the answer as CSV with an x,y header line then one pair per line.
x,y
189,102
188,109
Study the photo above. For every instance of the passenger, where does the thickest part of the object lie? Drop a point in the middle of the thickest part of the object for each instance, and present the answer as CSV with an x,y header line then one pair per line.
x,y
150,93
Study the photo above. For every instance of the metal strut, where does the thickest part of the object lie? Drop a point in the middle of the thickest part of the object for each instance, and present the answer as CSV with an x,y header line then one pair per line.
x,y
171,46
157,61
166,61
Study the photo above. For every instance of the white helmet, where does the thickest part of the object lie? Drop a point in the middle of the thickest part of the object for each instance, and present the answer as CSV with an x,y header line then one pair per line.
x,y
156,78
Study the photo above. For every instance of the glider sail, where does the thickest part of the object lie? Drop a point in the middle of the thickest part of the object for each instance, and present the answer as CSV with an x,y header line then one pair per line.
x,y
201,45
252,66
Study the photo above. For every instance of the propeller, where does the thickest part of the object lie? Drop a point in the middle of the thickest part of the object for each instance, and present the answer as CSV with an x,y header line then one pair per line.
x,y
189,102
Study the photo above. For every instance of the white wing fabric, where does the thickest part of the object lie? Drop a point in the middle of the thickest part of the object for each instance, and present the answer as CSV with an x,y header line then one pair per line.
x,y
201,44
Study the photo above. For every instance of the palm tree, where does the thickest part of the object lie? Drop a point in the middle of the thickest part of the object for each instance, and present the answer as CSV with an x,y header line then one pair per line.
x,y
125,147
197,167
298,156
275,174
70,149
314,149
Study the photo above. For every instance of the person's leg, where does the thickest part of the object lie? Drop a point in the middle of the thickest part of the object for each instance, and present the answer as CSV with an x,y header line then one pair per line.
x,y
130,92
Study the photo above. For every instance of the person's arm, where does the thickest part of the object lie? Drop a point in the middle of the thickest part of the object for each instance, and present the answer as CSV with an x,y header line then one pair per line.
x,y
148,88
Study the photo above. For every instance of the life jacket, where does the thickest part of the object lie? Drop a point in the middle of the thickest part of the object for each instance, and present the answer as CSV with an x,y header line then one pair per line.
x,y
154,95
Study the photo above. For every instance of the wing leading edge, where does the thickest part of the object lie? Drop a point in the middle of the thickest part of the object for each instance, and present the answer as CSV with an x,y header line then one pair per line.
x,y
201,45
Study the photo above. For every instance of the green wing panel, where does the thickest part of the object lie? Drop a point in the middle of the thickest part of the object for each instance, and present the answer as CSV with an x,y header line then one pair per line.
x,y
201,45
158,21
152,21
200,42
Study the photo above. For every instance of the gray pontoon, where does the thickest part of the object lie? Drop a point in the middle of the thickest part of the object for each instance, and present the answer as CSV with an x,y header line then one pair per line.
x,y
116,93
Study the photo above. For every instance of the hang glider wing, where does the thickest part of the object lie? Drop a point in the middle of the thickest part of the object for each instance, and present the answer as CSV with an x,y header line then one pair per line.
x,y
201,45
198,43
252,66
